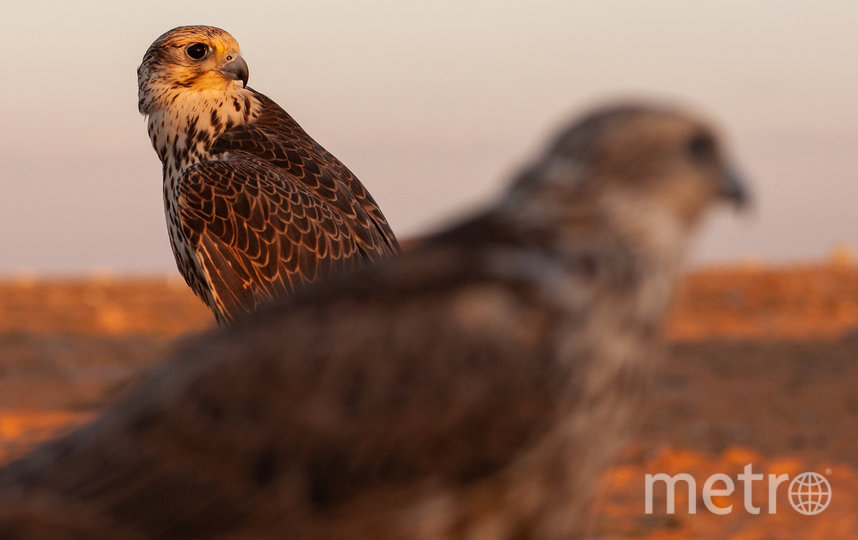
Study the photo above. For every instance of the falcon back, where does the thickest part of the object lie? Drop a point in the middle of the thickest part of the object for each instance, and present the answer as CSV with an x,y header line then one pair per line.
x,y
255,207
474,387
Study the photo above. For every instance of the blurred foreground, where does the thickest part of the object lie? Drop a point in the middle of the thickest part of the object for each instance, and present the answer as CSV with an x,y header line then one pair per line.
x,y
761,369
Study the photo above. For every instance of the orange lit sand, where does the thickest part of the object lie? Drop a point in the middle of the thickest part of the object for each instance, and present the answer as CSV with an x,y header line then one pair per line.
x,y
762,369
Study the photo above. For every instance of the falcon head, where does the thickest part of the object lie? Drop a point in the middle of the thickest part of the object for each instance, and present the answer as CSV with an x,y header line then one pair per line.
x,y
647,166
189,59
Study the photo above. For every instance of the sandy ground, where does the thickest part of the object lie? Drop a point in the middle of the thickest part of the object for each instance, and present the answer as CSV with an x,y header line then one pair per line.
x,y
761,369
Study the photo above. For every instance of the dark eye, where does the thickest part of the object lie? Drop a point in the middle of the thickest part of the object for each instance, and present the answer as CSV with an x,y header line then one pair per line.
x,y
701,147
197,51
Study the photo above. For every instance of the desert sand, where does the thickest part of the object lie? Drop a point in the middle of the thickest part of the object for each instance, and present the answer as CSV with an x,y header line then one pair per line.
x,y
761,367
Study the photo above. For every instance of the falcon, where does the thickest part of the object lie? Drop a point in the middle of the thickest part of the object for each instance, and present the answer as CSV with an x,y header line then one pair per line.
x,y
474,387
255,207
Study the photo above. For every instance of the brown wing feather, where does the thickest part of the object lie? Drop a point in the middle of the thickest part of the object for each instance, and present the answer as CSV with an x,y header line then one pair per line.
x,y
275,137
345,360
259,234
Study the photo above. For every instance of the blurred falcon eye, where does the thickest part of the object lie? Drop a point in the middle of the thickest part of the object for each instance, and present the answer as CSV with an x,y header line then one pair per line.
x,y
701,147
197,51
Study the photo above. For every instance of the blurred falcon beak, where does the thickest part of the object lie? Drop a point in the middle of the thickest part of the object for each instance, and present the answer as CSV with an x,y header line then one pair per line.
x,y
236,70
732,188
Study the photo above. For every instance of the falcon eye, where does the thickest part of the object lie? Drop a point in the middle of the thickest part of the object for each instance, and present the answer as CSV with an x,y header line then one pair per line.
x,y
701,147
197,51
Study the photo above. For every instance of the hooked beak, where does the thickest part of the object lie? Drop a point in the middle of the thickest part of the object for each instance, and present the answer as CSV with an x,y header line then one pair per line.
x,y
732,188
236,70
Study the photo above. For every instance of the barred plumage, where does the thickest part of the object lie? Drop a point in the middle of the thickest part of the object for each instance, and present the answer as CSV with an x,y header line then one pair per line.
x,y
474,387
255,207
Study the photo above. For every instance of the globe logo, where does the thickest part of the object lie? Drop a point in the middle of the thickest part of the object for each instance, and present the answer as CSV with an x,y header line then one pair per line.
x,y
809,493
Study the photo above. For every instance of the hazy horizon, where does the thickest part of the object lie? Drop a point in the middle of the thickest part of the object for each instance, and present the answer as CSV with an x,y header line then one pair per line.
x,y
433,106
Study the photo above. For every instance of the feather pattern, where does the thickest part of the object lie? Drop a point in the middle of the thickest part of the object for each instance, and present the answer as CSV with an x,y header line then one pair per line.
x,y
475,387
255,207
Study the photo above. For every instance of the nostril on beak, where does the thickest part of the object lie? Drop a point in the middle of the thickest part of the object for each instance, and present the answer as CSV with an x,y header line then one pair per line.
x,y
236,70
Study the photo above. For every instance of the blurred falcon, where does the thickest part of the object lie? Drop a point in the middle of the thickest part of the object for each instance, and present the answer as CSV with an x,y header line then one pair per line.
x,y
255,207
475,387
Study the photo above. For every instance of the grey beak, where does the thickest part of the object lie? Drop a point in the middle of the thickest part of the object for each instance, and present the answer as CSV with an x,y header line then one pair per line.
x,y
236,70
733,189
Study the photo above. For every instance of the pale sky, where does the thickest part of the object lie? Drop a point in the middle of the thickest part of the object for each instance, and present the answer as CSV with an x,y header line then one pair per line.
x,y
432,105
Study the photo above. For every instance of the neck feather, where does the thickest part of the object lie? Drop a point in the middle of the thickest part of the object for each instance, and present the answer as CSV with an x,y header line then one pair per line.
x,y
183,130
